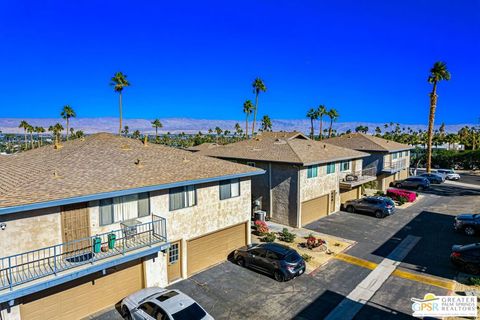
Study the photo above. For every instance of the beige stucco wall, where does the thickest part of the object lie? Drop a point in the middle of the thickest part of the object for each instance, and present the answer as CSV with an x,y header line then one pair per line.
x,y
210,213
30,230
311,188
155,271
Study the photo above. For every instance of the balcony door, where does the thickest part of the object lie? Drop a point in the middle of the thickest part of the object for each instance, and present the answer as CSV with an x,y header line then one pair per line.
x,y
75,226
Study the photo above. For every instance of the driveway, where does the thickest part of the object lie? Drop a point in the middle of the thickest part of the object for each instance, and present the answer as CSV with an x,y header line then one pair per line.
x,y
228,291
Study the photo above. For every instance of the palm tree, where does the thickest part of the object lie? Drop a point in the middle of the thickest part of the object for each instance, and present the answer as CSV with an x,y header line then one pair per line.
x,y
312,114
119,82
56,130
24,124
438,73
39,131
126,130
258,86
247,109
136,134
322,111
333,115
31,129
238,129
67,113
266,123
156,124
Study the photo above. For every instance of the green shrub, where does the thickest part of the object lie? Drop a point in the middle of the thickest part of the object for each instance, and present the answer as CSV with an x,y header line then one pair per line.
x,y
306,257
401,200
474,281
287,236
269,237
380,193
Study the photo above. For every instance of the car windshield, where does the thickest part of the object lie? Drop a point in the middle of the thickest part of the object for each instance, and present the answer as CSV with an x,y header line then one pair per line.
x,y
292,257
192,312
390,202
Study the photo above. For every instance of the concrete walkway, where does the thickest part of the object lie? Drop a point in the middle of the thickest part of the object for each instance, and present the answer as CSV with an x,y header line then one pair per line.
x,y
351,305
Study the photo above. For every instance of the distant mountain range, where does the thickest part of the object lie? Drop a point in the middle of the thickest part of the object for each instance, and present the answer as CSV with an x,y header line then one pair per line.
x,y
189,125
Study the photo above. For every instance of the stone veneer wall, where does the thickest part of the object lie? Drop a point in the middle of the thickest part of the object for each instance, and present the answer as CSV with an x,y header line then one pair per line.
x,y
284,193
323,184
30,230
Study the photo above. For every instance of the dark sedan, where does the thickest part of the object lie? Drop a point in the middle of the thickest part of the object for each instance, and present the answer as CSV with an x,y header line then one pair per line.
x,y
467,257
419,183
379,206
282,262
433,177
467,223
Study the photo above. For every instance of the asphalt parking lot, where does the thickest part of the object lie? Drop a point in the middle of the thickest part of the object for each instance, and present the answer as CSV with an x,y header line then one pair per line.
x,y
228,291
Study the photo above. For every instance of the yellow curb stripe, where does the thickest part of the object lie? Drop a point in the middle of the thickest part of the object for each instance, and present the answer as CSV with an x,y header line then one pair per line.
x,y
356,261
450,285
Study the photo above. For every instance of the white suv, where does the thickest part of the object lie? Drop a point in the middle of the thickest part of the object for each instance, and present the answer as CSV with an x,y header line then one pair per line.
x,y
449,174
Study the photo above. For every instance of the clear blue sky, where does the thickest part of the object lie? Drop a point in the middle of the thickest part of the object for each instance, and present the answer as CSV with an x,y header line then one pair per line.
x,y
367,59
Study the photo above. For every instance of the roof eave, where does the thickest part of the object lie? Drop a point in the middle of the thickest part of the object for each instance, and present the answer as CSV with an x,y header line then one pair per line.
x,y
334,160
118,193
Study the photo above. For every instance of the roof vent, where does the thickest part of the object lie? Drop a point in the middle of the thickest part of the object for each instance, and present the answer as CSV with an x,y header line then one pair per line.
x,y
279,141
138,163
57,145
324,146
145,140
185,159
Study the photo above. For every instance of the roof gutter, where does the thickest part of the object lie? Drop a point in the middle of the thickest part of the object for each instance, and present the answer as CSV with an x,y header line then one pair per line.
x,y
119,193
335,160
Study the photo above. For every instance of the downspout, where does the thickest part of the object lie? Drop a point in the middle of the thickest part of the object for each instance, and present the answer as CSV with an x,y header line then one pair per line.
x,y
299,207
270,200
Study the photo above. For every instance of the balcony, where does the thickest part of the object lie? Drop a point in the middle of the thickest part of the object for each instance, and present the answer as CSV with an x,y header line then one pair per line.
x,y
357,178
394,166
52,262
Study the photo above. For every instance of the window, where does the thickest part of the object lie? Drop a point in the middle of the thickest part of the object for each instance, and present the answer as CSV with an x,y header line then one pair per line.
x,y
272,255
182,197
149,308
229,189
330,168
124,208
173,252
312,171
251,164
394,155
344,165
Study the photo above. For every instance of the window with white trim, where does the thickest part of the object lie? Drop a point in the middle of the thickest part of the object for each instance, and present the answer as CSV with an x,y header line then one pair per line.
x,y
331,168
182,197
344,165
123,208
229,189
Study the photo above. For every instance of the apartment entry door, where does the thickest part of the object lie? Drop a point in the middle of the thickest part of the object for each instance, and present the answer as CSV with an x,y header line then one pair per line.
x,y
174,261
75,226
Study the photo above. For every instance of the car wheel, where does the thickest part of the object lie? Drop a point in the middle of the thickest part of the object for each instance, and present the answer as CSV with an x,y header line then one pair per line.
x,y
350,209
278,275
241,262
126,313
379,214
469,231
472,268
398,185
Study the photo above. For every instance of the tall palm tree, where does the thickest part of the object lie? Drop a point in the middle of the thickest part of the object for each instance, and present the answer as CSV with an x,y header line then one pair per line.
x,y
156,124
31,130
247,109
67,113
312,114
438,73
333,115
56,130
321,111
266,123
119,82
39,131
24,125
258,86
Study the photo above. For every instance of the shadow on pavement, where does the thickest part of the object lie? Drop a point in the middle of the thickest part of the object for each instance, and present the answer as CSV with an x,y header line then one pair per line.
x,y
451,191
431,254
328,300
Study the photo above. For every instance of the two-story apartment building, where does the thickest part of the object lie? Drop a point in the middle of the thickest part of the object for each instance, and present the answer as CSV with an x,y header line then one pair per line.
x,y
390,159
305,179
85,224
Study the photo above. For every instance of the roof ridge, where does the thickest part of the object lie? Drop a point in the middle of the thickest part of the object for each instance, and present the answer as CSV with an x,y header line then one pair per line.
x,y
294,151
372,139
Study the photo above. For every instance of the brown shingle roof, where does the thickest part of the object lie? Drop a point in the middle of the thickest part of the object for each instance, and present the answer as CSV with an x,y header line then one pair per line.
x,y
203,146
365,142
290,147
102,163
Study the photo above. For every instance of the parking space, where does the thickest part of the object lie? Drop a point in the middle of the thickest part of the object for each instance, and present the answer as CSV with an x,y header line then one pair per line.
x,y
228,291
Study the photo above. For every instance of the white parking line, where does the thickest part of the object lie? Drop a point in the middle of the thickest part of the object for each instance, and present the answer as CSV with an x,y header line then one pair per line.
x,y
351,305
